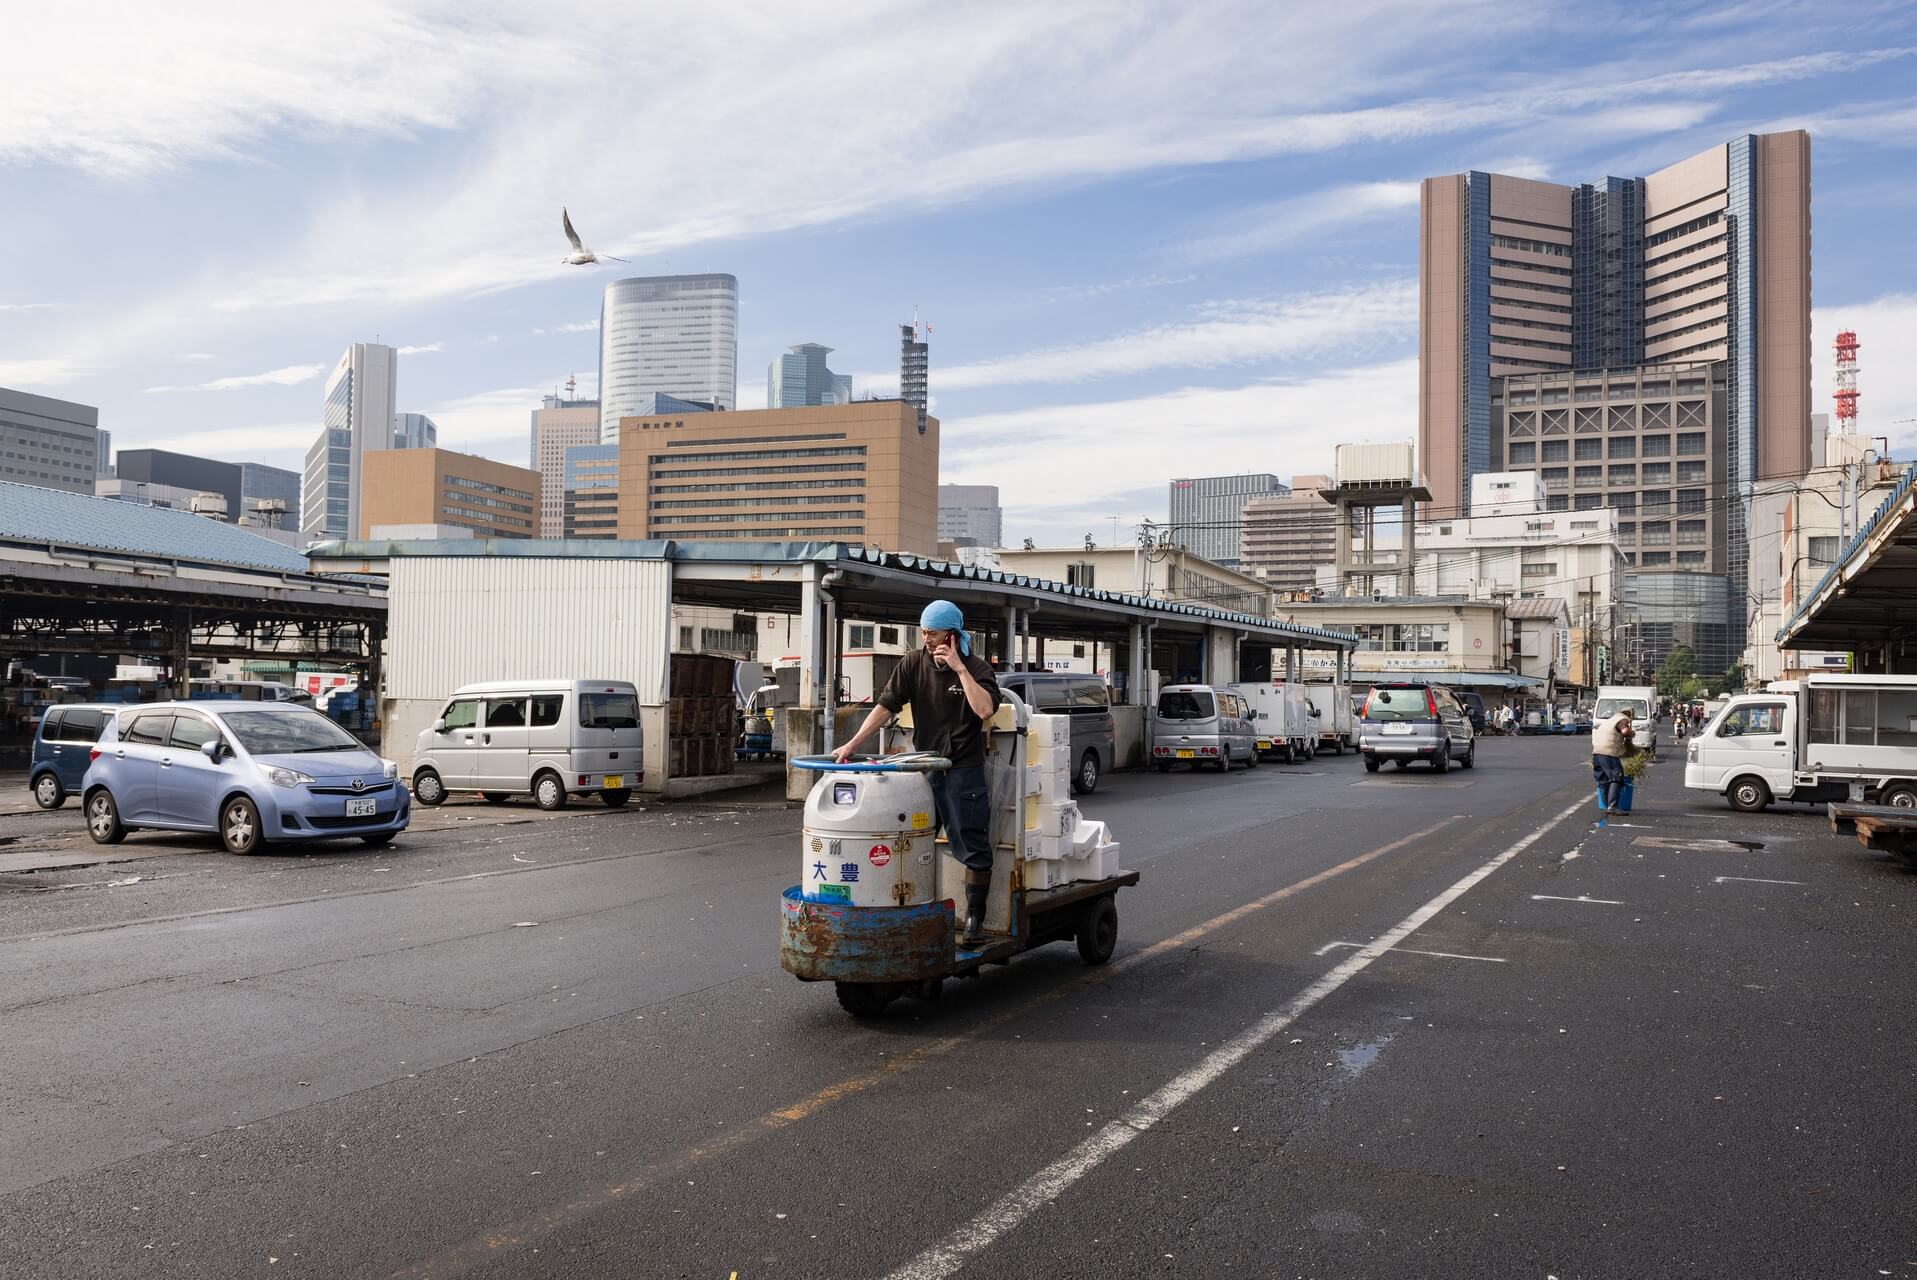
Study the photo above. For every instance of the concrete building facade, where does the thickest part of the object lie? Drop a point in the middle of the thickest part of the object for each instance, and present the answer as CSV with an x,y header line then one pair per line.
x,y
558,425
440,487
591,498
1284,541
969,515
673,334
860,472
1176,575
358,421
799,378
1206,512
55,444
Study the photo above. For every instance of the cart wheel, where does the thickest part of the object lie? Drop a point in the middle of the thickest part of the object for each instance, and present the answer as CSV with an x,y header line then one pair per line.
x,y
1098,929
929,989
864,999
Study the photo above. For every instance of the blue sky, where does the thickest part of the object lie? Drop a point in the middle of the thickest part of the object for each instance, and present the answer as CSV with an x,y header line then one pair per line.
x,y
1151,240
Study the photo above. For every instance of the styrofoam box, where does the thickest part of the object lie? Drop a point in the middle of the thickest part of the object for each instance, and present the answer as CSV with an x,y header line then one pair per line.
x,y
1043,848
1051,731
1087,836
1054,786
1052,819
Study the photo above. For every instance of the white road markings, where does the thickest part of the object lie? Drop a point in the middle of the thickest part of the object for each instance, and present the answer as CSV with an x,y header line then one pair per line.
x,y
1754,880
1597,902
1411,951
946,1257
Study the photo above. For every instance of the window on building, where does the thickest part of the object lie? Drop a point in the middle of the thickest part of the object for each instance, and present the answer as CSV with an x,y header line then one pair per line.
x,y
858,636
1657,447
1082,574
1589,449
1623,446
1692,533
1623,503
1587,502
1690,560
1557,478
1546,569
1523,455
685,639
1690,502
1556,451
1657,473
1630,558
1656,504
1823,551
888,635
1690,444
1557,502
1625,473
1655,560
1690,472
1589,476
1655,533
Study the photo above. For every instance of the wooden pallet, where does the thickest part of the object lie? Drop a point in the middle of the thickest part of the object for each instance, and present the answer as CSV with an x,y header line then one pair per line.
x,y
1878,826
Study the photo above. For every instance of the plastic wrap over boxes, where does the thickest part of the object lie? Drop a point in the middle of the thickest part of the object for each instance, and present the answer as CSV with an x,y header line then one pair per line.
x,y
1060,844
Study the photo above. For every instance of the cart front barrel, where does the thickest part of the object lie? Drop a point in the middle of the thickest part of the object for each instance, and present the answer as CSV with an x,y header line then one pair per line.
x,y
830,942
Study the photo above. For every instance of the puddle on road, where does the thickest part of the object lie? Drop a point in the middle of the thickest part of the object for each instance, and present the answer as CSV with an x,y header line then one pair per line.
x,y
1356,1059
1697,845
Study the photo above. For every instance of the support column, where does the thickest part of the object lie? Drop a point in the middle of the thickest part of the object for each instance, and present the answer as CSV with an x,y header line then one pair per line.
x,y
375,634
180,646
1008,638
1135,671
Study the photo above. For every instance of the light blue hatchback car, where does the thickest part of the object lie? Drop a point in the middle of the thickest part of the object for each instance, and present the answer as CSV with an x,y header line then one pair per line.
x,y
251,772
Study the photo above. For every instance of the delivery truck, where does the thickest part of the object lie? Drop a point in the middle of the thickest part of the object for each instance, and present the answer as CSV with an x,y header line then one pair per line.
x,y
1638,699
1284,724
1824,738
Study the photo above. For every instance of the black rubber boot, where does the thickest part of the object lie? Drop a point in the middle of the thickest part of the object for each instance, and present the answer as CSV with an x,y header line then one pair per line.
x,y
976,893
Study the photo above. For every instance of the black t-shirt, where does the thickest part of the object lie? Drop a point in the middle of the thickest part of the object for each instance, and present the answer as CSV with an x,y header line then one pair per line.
x,y
942,721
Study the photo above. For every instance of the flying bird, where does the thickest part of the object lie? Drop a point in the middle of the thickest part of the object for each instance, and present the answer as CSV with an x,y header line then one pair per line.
x,y
581,255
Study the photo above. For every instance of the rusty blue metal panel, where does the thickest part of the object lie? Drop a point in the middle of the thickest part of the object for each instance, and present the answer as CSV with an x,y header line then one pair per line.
x,y
827,942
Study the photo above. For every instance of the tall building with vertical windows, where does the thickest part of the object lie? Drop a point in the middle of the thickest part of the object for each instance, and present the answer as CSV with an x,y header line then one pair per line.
x,y
591,503
559,425
1683,295
799,378
1285,539
55,444
414,431
358,420
1207,512
915,361
676,335
969,514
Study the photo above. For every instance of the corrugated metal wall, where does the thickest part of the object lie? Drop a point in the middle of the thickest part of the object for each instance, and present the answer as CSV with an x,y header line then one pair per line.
x,y
458,620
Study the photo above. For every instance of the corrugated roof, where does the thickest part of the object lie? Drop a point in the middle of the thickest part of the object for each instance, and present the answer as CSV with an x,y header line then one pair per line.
x,y
51,517
1544,607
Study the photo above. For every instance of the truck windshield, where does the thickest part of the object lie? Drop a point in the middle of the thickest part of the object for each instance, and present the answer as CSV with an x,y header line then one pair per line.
x,y
609,710
1639,709
1185,705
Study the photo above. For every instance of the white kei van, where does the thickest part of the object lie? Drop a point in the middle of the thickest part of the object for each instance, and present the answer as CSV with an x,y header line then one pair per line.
x,y
549,737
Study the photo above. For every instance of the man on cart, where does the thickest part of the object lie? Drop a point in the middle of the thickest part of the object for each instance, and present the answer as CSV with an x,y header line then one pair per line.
x,y
952,693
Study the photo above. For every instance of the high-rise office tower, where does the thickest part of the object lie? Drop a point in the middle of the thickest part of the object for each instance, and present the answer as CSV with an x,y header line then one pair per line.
x,y
677,335
414,431
799,378
914,359
969,514
55,444
1285,539
1653,318
558,425
1207,513
358,421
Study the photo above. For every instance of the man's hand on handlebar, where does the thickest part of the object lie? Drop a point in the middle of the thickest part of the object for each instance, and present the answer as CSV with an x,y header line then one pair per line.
x,y
844,753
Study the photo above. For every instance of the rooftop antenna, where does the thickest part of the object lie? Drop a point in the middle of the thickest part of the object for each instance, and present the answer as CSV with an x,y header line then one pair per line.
x,y
572,386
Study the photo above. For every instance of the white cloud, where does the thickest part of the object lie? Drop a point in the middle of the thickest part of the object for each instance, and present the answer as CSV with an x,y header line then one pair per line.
x,y
27,306
1358,320
291,375
1285,425
1890,124
1282,223
196,355
498,423
281,444
1104,288
44,371
428,349
582,326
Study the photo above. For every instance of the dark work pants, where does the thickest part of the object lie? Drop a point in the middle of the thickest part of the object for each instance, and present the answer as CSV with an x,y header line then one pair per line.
x,y
965,815
1609,772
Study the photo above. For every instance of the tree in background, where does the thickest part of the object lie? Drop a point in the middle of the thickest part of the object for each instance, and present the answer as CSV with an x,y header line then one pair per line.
x,y
1676,672
1731,681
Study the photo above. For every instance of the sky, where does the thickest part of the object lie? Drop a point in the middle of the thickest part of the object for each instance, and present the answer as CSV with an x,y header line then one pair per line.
x,y
1150,240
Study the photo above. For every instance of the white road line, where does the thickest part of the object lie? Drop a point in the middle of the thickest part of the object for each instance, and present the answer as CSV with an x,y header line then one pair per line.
x,y
1552,897
1754,880
1411,951
1045,1186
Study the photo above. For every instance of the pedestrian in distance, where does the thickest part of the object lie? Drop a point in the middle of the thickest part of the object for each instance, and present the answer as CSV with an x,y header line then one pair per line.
x,y
1612,739
952,692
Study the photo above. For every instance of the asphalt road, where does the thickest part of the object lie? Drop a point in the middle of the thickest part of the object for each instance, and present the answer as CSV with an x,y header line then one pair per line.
x,y
564,1047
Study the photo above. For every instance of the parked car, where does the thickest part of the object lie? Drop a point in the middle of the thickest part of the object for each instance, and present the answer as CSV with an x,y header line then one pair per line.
x,y
553,738
60,746
1197,724
1088,702
252,772
1473,704
1410,721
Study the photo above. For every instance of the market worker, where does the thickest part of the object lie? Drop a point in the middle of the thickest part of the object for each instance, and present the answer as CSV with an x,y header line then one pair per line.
x,y
952,693
1611,740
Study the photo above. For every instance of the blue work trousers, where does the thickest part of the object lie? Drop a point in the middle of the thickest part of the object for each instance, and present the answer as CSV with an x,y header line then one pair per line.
x,y
965,814
1609,772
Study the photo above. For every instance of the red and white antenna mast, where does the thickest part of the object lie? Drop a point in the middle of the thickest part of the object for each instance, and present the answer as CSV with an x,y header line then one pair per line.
x,y
1846,383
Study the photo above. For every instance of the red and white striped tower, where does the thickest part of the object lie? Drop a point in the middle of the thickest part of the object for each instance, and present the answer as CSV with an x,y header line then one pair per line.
x,y
1846,383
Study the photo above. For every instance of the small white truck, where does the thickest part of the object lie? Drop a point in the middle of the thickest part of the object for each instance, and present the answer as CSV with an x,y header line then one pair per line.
x,y
1825,738
1284,726
1640,700
1336,729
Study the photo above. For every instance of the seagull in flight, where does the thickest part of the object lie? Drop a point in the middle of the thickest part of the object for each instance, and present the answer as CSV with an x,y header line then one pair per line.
x,y
581,255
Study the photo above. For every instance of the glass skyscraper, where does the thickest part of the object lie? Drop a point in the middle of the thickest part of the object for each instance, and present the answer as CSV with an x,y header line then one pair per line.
x,y
358,420
1207,514
676,335
800,378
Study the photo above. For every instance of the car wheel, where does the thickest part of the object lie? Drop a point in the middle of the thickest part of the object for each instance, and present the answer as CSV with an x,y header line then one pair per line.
x,y
1162,766
1749,795
1253,760
103,818
1470,757
616,798
1086,780
47,791
1371,765
1442,761
240,825
496,797
379,839
427,788
549,791
1098,929
1899,795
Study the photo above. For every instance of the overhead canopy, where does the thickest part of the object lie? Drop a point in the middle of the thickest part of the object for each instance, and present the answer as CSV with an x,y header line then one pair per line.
x,y
1867,601
1455,679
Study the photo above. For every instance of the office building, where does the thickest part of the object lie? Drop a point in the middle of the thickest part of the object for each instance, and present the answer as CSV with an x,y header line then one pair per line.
x,y
591,497
55,444
969,515
1206,512
358,420
160,470
1285,539
673,334
441,487
272,494
1702,267
414,431
799,378
915,359
860,473
559,425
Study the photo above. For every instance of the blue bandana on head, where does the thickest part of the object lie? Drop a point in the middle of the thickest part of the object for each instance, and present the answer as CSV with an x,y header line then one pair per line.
x,y
943,615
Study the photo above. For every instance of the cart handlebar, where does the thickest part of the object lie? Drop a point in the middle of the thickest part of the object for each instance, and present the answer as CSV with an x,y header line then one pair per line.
x,y
906,762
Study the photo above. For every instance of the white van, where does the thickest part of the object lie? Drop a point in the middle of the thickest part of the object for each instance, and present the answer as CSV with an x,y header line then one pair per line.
x,y
549,737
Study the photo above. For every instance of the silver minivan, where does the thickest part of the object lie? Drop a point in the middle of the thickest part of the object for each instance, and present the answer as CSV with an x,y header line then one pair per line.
x,y
552,738
1414,721
1083,697
1199,725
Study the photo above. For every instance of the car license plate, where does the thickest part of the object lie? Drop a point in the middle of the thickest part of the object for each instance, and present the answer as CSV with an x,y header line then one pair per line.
x,y
1397,728
365,808
1187,755
615,782
1264,744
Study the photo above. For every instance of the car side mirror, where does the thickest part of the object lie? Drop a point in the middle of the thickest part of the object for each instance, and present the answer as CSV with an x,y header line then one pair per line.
x,y
213,750
439,725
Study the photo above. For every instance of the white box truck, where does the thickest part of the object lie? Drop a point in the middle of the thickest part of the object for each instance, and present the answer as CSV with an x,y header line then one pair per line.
x,y
1836,737
1284,725
1638,699
1336,728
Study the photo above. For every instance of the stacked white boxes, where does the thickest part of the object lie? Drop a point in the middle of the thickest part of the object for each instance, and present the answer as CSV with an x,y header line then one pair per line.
x,y
1060,844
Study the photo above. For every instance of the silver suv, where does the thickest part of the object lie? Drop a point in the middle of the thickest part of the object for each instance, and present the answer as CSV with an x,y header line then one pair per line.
x,y
1411,721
